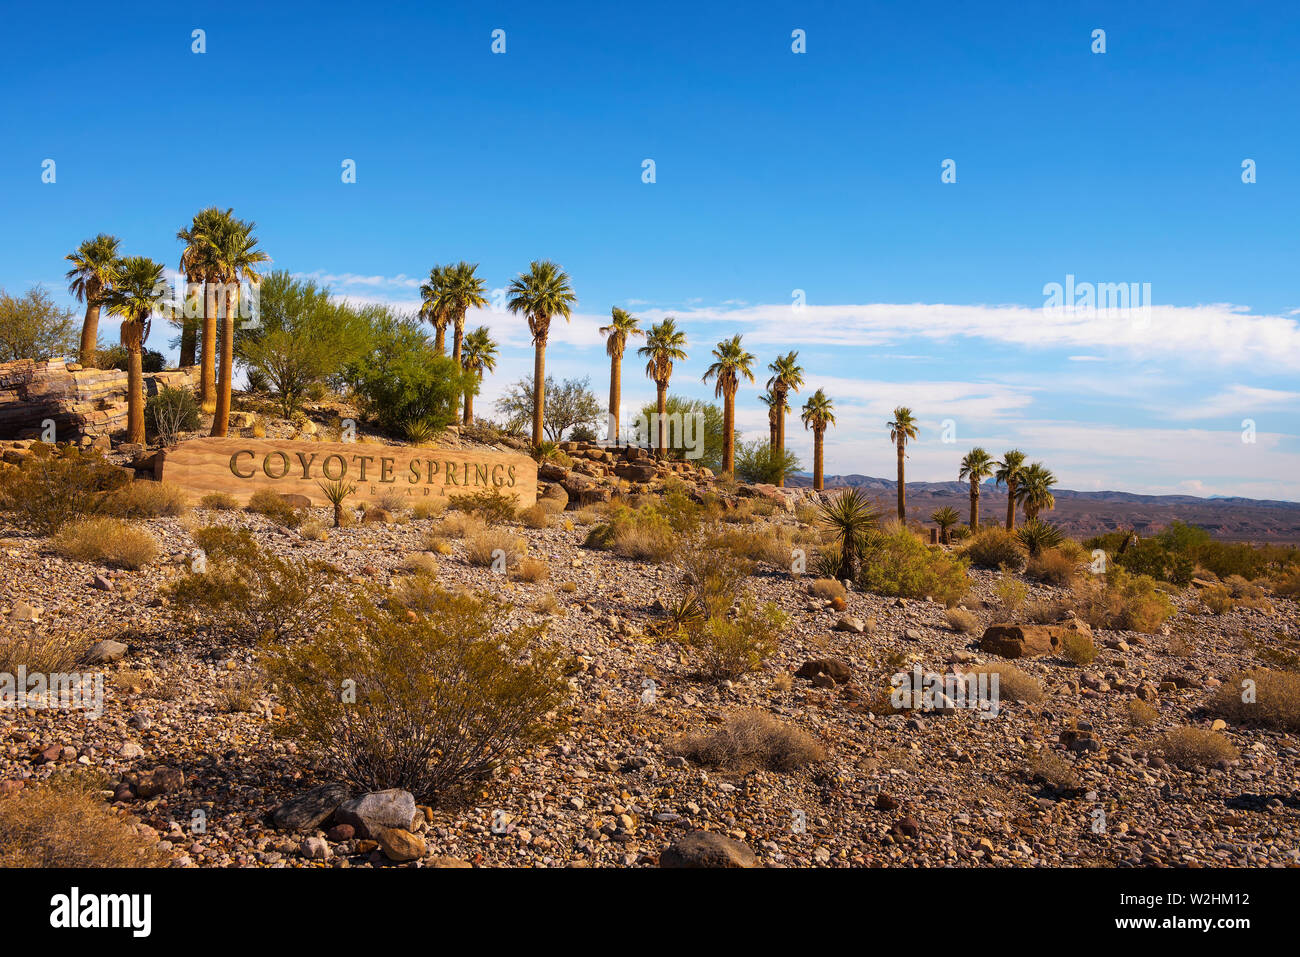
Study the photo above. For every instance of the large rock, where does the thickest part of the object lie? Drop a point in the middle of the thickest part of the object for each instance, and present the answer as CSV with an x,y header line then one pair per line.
x,y
1028,641
105,652
707,849
310,808
378,809
833,668
635,472
400,845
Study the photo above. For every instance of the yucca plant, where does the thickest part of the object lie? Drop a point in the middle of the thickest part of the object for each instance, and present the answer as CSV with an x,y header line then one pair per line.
x,y
1037,536
419,431
850,517
945,518
337,492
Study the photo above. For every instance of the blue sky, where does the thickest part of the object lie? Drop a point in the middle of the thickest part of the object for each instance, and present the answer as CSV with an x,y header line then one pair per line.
x,y
775,172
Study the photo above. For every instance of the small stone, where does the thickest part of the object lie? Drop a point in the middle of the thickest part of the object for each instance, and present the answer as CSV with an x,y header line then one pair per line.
x,y
399,845
105,652
315,849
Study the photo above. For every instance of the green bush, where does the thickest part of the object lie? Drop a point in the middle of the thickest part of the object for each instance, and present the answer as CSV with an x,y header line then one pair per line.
x,y
896,563
995,548
274,506
116,357
759,462
1036,536
1149,557
58,484
491,505
732,646
169,412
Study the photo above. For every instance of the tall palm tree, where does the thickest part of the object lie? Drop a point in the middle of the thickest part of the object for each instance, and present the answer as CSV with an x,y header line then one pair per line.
x,y
433,307
94,265
199,267
976,465
769,399
622,326
731,363
136,292
1034,490
818,412
462,291
787,377
664,345
478,355
902,428
234,252
1009,473
541,294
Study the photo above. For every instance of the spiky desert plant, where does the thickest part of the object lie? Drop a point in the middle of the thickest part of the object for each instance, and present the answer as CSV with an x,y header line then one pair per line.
x,y
945,518
849,517
1037,536
336,493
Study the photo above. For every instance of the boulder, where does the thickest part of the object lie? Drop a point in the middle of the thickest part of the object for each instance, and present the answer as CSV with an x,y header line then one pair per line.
x,y
378,809
833,668
161,780
1027,641
105,651
707,849
550,472
635,472
311,808
399,844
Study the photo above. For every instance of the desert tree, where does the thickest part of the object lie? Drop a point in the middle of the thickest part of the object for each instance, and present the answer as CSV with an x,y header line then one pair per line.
x,y
976,466
731,363
478,355
199,266
664,345
787,377
433,306
234,252
1009,473
818,412
1034,490
902,428
94,266
462,290
622,326
541,294
137,291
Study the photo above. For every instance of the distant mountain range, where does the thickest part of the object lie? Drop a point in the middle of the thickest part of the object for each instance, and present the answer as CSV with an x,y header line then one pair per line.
x,y
1083,514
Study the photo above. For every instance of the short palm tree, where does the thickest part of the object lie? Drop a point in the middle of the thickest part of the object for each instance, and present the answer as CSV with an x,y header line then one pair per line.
x,y
1034,490
94,265
478,355
199,267
731,363
902,428
850,517
818,412
462,291
137,290
945,518
787,377
234,252
433,308
541,294
664,345
622,326
1009,473
976,465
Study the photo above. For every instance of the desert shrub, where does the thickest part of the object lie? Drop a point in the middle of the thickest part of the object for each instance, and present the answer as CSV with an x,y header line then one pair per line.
x,y
760,462
1078,649
533,570
1051,567
536,516
826,588
960,620
247,592
1287,584
1141,714
1190,747
760,543
547,604
682,513
491,506
106,541
1013,684
442,698
713,577
733,646
1263,697
145,499
428,508
63,822
117,357
1045,612
219,501
170,412
1053,770
493,546
313,530
274,506
239,694
393,500
896,563
1010,592
1121,602
1151,558
995,548
1037,536
752,740
54,485
1217,600
455,525
37,648
642,533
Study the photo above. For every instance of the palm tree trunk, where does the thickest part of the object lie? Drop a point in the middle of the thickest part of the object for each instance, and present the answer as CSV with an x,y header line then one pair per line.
x,y
469,409
132,333
902,489
208,373
974,505
189,343
818,483
338,514
221,418
440,339
539,391
455,346
615,395
729,433
662,389
1011,506
780,440
89,334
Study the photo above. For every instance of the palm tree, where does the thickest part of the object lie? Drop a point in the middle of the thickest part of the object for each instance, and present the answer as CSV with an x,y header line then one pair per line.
x,y
902,428
541,294
478,355
234,252
1034,490
622,326
850,517
945,518
787,377
818,412
976,465
433,308
1009,473
94,266
773,404
731,363
664,345
198,266
462,291
136,291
